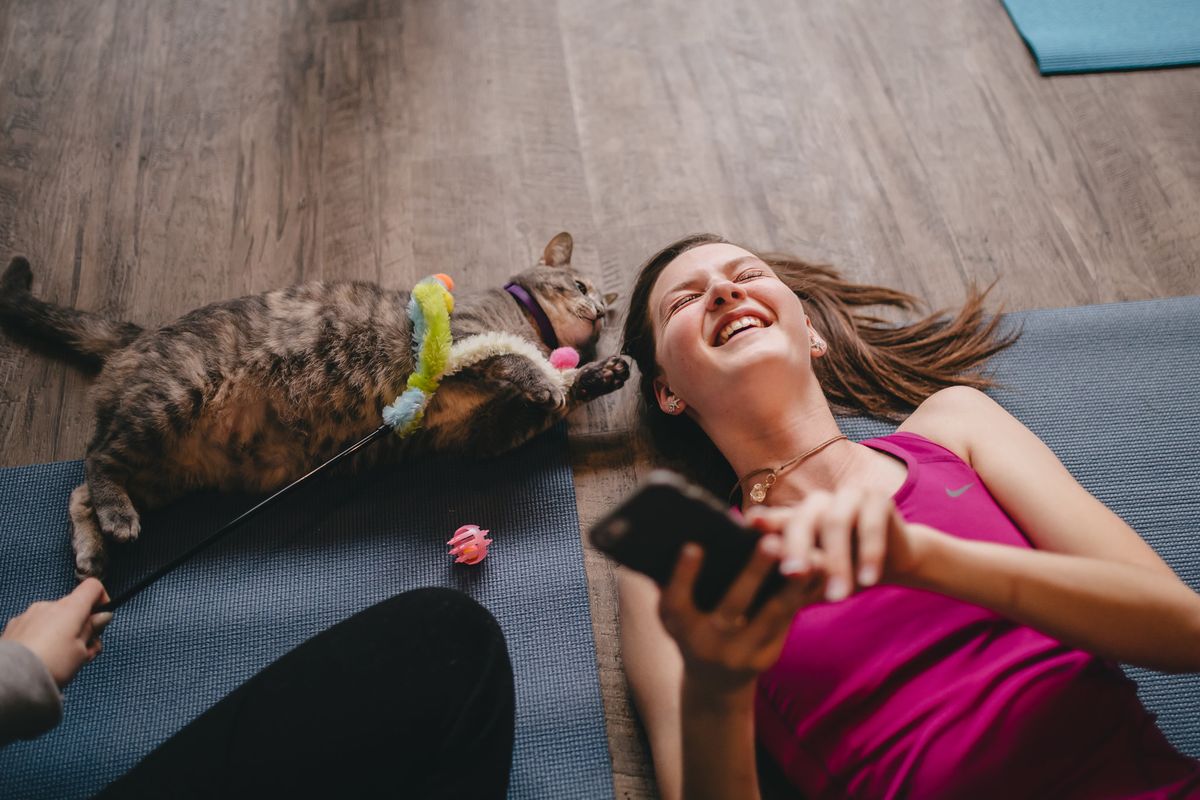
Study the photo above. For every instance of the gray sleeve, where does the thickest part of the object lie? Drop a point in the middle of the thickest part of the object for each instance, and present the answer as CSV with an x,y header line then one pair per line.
x,y
30,703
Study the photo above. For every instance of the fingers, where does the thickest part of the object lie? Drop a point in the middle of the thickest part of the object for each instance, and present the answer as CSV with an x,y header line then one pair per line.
x,y
835,528
677,596
94,626
799,535
741,593
100,622
847,531
94,648
86,596
873,518
766,519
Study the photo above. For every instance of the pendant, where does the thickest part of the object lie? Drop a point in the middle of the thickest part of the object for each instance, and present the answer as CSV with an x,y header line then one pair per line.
x,y
758,493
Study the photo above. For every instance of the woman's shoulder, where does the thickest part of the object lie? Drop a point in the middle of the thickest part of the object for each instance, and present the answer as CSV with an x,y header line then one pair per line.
x,y
951,418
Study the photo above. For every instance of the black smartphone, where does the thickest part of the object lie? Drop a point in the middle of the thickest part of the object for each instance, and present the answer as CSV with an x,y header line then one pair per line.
x,y
647,531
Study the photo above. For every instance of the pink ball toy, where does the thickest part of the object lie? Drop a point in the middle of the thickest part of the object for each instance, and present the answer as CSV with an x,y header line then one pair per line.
x,y
469,544
565,358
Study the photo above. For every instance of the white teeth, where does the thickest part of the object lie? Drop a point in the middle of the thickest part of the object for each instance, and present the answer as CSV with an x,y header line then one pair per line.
x,y
737,325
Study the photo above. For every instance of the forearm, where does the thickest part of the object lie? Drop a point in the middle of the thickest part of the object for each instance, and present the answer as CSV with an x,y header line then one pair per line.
x,y
1123,612
718,743
30,703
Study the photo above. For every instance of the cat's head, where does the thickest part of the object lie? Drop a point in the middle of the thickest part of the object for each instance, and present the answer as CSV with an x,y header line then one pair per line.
x,y
576,308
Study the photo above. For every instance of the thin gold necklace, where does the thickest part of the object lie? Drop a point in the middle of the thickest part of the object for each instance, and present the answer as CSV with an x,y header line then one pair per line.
x,y
759,492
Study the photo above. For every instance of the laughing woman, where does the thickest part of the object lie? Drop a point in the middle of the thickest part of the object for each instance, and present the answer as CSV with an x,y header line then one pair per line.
x,y
956,601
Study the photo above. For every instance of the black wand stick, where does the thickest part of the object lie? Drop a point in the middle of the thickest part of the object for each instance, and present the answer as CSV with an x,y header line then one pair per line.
x,y
213,538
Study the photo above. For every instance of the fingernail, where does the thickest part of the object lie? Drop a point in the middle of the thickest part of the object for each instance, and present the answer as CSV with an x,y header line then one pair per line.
x,y
867,576
737,514
793,566
691,550
836,589
101,620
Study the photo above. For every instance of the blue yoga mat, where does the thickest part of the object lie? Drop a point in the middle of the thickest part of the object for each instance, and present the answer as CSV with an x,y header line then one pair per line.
x,y
317,558
1112,390
1096,35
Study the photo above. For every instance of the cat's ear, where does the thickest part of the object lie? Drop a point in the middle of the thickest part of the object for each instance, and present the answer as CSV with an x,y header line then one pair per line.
x,y
558,252
610,298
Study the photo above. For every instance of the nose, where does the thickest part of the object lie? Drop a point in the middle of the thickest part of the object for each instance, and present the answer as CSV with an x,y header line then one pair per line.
x,y
722,292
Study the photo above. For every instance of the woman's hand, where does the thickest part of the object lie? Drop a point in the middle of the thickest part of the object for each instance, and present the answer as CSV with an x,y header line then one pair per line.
x,y
857,534
64,634
726,648
826,546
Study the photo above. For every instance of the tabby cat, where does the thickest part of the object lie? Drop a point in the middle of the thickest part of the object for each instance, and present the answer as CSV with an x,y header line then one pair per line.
x,y
249,394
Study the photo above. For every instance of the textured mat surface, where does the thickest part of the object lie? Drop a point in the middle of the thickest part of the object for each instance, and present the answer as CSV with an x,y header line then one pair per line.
x,y
1113,390
1095,35
188,640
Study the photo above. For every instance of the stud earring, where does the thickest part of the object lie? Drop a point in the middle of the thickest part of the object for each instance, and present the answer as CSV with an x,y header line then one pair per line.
x,y
818,344
673,405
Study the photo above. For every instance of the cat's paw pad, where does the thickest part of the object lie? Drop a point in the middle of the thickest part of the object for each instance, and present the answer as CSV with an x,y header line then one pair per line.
x,y
601,377
119,524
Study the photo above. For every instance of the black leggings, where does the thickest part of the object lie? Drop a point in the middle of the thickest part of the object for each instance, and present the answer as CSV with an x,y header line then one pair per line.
x,y
410,698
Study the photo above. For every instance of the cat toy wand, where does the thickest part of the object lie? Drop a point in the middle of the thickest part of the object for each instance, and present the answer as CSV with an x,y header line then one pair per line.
x,y
429,309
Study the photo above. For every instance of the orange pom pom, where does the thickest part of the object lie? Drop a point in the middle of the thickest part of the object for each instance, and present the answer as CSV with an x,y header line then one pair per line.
x,y
446,280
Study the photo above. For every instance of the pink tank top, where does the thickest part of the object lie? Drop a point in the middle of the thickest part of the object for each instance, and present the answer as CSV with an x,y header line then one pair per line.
x,y
898,692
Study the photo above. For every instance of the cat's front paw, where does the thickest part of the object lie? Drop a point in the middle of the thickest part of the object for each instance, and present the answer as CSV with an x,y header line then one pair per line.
x,y
601,377
543,396
90,564
119,521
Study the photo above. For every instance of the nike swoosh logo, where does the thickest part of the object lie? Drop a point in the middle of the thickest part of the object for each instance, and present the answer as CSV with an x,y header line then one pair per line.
x,y
956,492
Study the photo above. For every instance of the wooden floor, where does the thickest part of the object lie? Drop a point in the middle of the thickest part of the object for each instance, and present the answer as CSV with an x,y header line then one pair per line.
x,y
157,155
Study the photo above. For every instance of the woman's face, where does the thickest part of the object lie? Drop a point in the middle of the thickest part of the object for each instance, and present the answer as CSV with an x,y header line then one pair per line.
x,y
721,317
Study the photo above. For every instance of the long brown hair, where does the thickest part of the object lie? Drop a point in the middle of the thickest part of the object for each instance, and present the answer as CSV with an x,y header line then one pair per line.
x,y
872,366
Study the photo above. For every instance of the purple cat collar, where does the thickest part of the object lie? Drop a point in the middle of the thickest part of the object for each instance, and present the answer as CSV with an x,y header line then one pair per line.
x,y
526,300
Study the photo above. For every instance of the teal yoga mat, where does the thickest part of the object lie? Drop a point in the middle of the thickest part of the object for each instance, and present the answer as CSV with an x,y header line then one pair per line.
x,y
1097,35
316,558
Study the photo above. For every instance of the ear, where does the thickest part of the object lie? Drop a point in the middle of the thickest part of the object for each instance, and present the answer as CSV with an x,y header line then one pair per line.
x,y
663,394
813,336
610,298
558,252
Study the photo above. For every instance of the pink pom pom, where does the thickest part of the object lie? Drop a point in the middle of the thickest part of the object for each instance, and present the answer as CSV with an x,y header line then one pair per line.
x,y
469,544
565,358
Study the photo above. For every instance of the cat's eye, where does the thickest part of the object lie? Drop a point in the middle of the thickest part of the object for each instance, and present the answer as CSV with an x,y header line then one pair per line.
x,y
581,287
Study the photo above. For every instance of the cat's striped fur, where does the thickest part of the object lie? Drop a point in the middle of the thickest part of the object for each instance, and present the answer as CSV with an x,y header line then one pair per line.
x,y
249,394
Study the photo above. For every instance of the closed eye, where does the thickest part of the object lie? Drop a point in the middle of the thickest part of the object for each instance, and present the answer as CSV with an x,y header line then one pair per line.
x,y
681,302
748,275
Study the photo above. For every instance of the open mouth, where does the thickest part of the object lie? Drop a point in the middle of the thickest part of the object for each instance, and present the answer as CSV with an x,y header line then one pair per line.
x,y
738,327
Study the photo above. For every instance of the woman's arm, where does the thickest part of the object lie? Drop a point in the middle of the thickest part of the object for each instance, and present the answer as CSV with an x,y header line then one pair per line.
x,y
30,703
40,652
655,672
1123,612
693,673
701,733
1092,582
